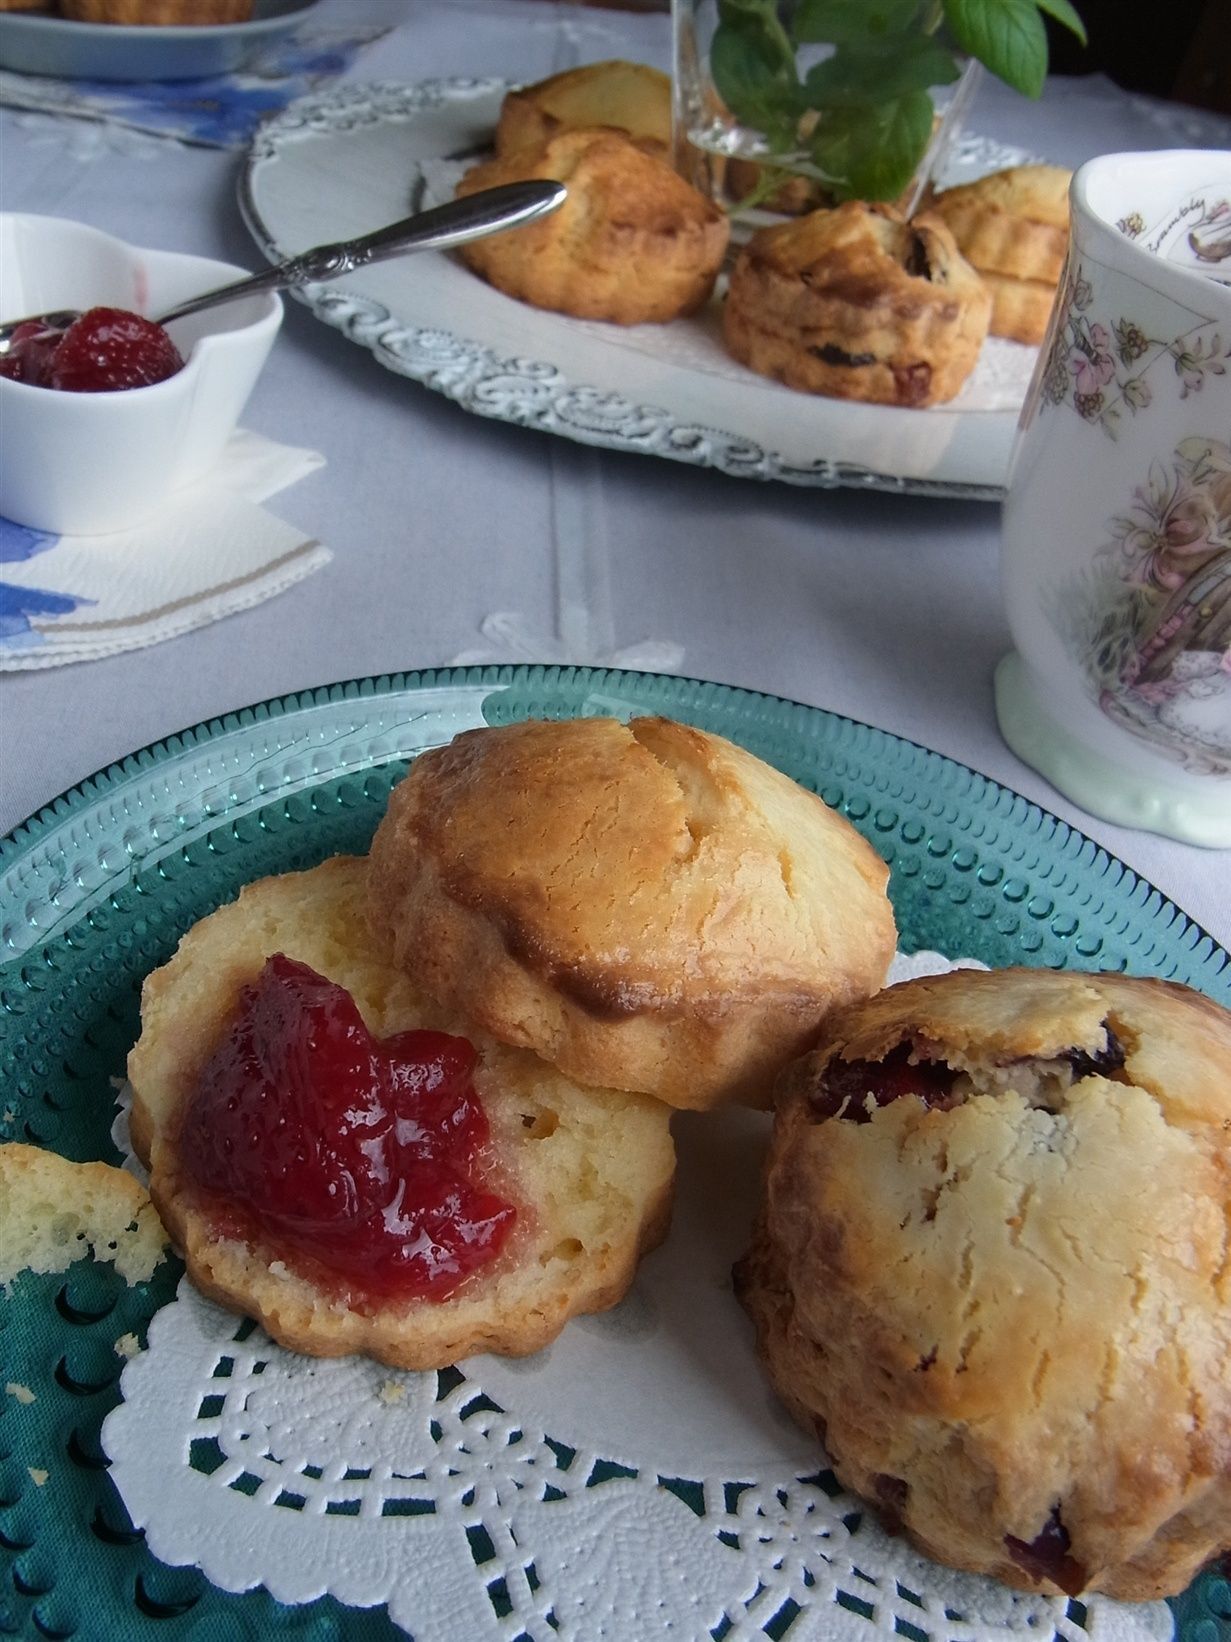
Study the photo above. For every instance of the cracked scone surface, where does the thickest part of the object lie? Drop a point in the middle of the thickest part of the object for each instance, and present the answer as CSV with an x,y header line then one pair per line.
x,y
589,1170
1010,1320
645,905
633,243
857,303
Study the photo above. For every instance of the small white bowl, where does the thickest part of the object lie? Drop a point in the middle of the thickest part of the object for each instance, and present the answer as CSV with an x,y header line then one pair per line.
x,y
90,463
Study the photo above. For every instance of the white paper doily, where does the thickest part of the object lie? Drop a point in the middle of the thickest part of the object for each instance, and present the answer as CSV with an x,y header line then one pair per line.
x,y
635,1480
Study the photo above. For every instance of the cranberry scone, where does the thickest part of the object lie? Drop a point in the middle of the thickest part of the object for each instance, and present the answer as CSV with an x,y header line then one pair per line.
x,y
361,1171
858,303
991,1272
646,905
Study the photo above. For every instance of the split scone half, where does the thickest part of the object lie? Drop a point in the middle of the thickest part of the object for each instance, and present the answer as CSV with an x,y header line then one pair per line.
x,y
991,1272
631,97
857,303
645,905
1013,226
633,242
587,1172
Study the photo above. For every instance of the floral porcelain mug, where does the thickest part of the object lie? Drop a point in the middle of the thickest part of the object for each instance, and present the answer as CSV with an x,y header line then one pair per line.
x,y
1116,555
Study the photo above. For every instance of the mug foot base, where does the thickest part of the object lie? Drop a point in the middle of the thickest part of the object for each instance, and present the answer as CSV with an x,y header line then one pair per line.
x,y
1098,783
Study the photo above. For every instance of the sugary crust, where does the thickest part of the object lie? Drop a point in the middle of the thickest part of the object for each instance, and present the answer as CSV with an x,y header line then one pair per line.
x,y
633,243
646,905
1007,1310
628,96
591,1170
858,304
1013,222
1021,308
57,1211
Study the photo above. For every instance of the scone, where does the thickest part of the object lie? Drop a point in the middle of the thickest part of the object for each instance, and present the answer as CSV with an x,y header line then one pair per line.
x,y
1013,222
1013,226
633,243
56,1211
645,905
476,1205
991,1272
158,13
858,303
628,96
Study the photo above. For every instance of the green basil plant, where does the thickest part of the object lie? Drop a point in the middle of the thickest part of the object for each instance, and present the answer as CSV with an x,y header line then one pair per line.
x,y
863,115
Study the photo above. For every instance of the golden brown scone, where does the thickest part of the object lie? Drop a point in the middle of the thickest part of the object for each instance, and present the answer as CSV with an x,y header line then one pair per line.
x,y
632,243
859,304
1021,308
1002,1298
1013,222
628,96
56,1211
645,905
590,1171
159,13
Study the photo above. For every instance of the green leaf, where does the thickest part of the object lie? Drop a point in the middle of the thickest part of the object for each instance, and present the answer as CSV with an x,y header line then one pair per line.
x,y
753,70
740,12
839,21
1064,13
861,76
871,153
1007,36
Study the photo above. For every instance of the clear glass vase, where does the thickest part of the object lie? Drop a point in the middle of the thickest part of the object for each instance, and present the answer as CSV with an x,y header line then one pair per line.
x,y
762,116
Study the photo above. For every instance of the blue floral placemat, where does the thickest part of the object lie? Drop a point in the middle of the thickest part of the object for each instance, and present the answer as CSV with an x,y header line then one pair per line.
x,y
222,111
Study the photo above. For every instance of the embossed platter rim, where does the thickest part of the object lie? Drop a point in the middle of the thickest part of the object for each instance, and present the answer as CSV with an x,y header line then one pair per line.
x,y
293,779
343,161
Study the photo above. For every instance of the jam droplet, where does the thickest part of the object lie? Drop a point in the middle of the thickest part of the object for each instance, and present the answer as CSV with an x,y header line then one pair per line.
x,y
847,1085
101,351
1046,1556
356,1154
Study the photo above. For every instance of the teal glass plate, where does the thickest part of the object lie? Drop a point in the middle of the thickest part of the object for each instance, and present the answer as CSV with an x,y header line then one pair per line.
x,y
96,890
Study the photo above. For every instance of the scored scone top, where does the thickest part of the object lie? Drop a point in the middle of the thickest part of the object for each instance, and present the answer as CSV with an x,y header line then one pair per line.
x,y
646,905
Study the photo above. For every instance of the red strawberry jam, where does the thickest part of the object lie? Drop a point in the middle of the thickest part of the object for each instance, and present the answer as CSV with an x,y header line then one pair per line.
x,y
355,1154
105,349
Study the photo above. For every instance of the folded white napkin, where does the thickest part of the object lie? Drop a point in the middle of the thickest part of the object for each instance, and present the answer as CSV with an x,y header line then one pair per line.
x,y
210,552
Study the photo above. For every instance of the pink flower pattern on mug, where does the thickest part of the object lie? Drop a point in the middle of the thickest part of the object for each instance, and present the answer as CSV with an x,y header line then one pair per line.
x,y
1150,623
1099,366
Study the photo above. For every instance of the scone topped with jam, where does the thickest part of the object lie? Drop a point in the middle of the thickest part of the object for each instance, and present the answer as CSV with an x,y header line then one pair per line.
x,y
645,905
858,303
991,1272
361,1171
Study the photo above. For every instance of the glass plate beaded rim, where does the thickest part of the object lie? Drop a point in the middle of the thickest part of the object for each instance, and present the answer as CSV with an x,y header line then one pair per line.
x,y
631,689
27,834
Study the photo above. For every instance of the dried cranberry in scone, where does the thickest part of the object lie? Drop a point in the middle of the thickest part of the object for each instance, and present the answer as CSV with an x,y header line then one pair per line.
x,y
991,1266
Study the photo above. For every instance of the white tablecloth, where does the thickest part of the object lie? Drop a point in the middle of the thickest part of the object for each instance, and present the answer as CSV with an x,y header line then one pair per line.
x,y
881,607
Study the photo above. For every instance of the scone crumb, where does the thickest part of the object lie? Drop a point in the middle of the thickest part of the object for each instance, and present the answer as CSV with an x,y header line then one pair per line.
x,y
37,1477
127,1345
392,1392
22,1393
279,1269
58,1211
